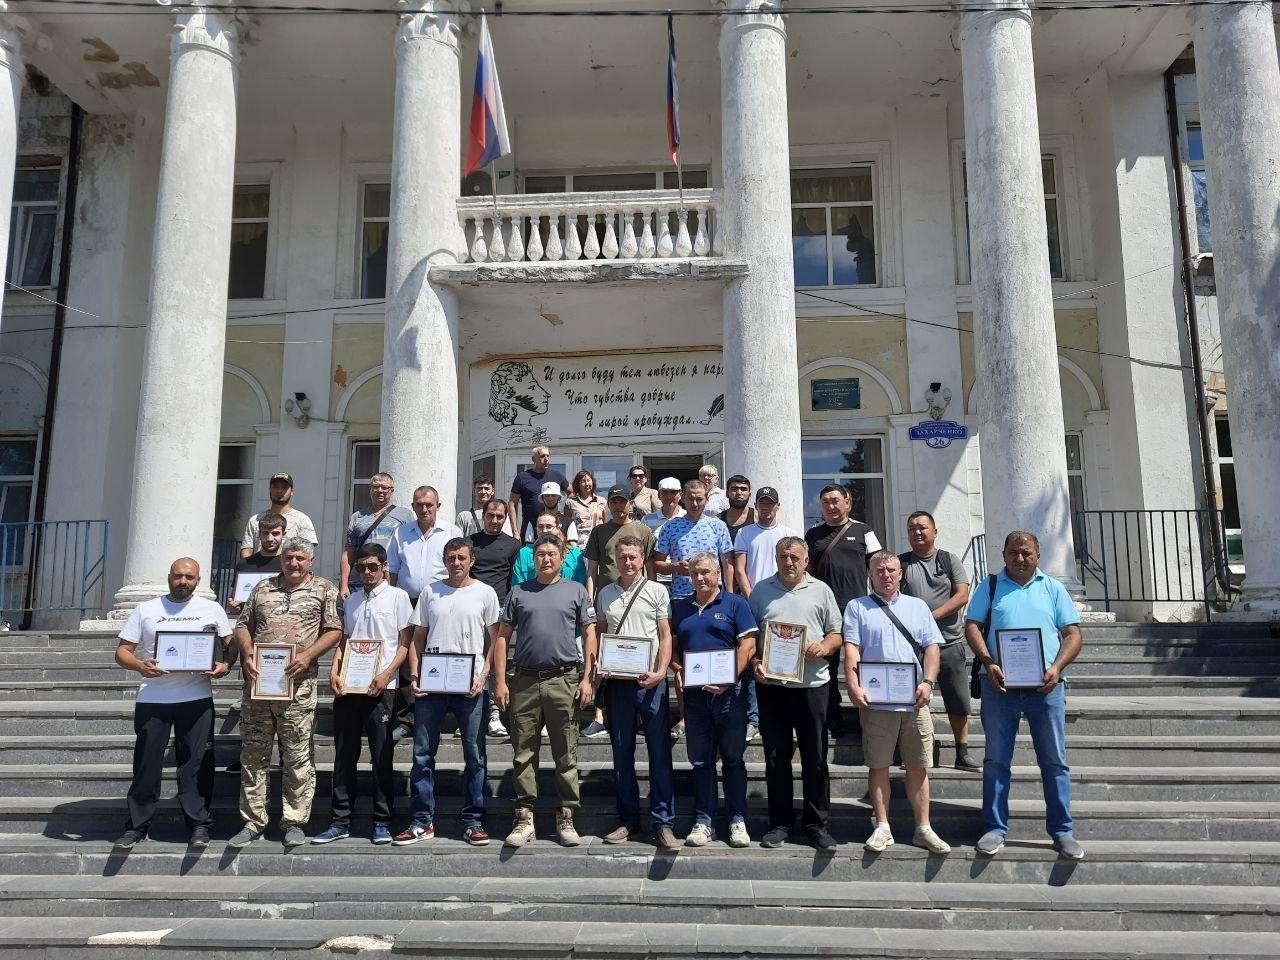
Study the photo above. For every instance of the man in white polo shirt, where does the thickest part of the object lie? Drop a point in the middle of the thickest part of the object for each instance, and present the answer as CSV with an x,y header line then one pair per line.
x,y
890,627
455,615
178,703
381,612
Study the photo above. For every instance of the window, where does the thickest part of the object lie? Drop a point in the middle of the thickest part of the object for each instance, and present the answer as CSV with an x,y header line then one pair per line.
x,y
364,464
1052,213
857,464
1075,484
250,208
833,227
33,222
17,479
233,505
1199,185
602,182
375,226
1227,488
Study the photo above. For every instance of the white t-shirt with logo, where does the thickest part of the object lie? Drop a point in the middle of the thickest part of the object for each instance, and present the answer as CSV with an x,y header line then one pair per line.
x,y
457,618
194,614
760,545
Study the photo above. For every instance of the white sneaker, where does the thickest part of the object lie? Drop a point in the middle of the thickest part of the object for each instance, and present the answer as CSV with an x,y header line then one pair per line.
x,y
738,836
926,838
881,839
700,835
496,729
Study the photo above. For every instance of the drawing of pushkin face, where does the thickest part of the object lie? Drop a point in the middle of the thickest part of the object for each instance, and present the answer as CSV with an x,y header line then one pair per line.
x,y
515,395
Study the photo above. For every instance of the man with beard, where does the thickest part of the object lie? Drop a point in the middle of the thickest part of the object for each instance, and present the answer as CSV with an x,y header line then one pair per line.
x,y
495,554
300,525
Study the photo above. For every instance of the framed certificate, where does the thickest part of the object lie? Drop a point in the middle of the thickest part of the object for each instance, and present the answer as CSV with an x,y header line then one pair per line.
x,y
782,651
625,656
447,672
271,661
245,581
1021,657
185,651
710,668
360,662
889,684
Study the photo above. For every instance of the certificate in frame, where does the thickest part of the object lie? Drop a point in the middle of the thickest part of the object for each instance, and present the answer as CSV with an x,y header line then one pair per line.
x,y
628,657
271,661
710,668
185,651
889,684
1020,653
245,581
361,660
447,673
782,650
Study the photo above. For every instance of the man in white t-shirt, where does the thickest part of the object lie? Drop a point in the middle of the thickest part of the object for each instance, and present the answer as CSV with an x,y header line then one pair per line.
x,y
380,613
173,702
457,615
299,524
755,546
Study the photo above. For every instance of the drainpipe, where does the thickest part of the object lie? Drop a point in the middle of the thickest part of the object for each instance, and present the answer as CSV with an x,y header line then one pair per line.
x,y
55,348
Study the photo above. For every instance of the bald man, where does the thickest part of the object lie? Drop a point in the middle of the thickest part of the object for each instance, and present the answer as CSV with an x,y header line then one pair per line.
x,y
177,701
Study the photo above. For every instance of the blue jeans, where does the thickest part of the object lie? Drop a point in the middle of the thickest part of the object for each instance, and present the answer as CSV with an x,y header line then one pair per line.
x,y
1047,717
717,725
628,706
428,714
753,703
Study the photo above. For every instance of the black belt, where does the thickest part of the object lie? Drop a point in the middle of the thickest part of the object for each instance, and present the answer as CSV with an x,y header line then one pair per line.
x,y
546,673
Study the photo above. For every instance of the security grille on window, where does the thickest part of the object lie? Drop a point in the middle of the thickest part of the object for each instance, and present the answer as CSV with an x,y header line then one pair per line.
x,y
32,225
233,504
1052,214
250,211
857,464
375,226
364,464
833,227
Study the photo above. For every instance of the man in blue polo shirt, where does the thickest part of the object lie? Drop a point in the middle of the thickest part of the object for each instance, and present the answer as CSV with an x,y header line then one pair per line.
x,y
1025,598
715,717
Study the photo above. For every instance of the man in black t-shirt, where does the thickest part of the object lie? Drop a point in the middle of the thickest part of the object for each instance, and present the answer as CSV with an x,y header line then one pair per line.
x,y
838,552
740,514
526,492
494,553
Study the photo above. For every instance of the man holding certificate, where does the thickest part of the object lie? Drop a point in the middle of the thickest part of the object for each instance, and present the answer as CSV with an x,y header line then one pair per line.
x,y
715,639
635,651
364,675
891,644
552,680
288,623
176,643
1025,636
455,624
800,628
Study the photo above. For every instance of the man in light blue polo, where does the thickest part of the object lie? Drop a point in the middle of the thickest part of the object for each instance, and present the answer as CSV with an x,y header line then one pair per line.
x,y
1024,597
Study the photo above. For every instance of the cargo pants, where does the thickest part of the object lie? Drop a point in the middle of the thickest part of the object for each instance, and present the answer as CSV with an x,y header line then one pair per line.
x,y
293,723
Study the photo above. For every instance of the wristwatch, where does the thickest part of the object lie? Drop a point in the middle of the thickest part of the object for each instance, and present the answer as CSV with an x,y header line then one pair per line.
x,y
933,684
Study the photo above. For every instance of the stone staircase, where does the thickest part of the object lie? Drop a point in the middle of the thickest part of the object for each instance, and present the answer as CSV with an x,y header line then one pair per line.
x,y
1174,735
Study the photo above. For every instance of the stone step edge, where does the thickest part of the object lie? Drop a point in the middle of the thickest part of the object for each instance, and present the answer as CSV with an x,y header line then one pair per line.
x,y
590,938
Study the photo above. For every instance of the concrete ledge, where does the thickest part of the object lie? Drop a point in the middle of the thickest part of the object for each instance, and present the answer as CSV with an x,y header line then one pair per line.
x,y
590,271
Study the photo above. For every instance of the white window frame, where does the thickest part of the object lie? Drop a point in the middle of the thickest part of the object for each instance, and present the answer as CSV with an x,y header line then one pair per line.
x,y
659,175
268,174
6,479
1059,150
249,481
352,479
361,219
350,233
1228,461
19,211
1187,170
873,203
886,533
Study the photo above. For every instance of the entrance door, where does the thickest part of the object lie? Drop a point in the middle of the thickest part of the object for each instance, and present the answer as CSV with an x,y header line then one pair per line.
x,y
610,466
682,467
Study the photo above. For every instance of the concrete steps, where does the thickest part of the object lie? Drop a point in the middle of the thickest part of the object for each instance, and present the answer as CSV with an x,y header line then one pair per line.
x,y
1173,733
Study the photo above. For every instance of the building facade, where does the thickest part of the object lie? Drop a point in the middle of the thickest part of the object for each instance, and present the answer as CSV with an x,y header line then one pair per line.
x,y
936,257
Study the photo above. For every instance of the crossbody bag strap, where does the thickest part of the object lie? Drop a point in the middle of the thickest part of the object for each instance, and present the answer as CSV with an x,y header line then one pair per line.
x,y
626,611
824,562
893,617
364,537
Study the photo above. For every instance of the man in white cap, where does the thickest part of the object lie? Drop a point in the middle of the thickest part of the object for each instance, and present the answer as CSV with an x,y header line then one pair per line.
x,y
669,496
552,498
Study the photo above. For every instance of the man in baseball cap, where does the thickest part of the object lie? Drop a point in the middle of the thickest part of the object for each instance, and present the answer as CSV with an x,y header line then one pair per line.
x,y
298,524
755,544
600,550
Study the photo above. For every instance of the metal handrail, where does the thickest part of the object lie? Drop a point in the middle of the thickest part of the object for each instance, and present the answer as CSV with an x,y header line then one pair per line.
x,y
52,566
976,556
222,571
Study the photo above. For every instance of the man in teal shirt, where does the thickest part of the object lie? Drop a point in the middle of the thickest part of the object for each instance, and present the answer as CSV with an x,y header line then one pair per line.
x,y
1025,598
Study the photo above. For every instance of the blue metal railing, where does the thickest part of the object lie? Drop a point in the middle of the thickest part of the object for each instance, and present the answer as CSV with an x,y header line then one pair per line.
x,y
55,566
222,572
1153,556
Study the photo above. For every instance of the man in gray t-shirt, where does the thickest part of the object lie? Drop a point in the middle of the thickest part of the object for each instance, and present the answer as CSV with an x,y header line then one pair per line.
x,y
940,579
374,523
552,679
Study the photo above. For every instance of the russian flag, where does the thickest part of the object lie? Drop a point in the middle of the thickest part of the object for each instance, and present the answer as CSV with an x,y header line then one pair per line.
x,y
673,96
488,138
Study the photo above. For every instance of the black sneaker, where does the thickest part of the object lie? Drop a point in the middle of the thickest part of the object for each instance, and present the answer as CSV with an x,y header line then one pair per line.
x,y
776,836
821,839
199,838
130,838
966,763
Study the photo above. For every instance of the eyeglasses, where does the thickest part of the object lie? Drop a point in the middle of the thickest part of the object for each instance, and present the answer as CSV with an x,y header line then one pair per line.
x,y
637,476
371,565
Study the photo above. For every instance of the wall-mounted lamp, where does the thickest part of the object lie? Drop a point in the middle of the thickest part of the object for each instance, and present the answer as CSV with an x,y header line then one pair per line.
x,y
299,407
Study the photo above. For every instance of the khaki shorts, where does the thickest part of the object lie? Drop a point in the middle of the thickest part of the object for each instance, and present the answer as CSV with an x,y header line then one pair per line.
x,y
910,731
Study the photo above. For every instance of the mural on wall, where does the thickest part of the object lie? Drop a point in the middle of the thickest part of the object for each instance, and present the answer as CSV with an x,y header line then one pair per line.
x,y
597,399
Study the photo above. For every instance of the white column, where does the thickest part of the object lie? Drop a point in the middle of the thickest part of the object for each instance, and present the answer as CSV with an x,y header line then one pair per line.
x,y
1239,85
1024,464
180,406
762,403
420,345
10,102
